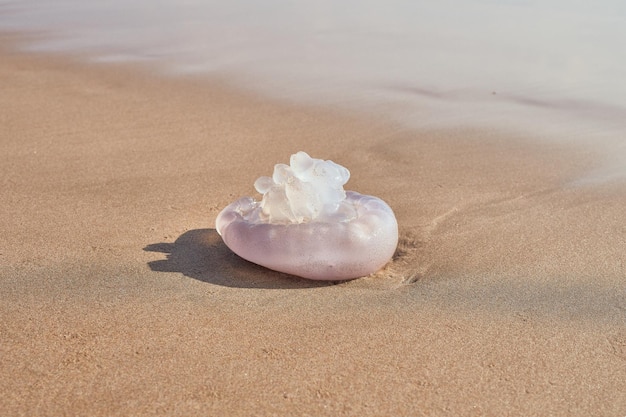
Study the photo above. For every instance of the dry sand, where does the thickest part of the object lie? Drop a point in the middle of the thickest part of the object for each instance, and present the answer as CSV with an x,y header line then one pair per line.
x,y
507,295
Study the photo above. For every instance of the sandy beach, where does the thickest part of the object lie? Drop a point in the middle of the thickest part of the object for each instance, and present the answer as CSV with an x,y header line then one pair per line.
x,y
506,296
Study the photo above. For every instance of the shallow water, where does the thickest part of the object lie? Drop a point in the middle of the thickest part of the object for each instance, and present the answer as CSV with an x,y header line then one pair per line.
x,y
552,69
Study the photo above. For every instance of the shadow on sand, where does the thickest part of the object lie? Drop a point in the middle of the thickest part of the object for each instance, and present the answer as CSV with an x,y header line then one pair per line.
x,y
201,254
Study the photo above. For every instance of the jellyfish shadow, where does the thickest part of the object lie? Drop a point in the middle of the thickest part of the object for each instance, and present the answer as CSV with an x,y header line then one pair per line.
x,y
201,254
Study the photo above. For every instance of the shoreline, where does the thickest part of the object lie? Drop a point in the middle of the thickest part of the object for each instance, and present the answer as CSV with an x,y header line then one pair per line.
x,y
506,294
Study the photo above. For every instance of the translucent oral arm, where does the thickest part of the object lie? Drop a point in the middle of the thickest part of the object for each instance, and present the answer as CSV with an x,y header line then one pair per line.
x,y
306,190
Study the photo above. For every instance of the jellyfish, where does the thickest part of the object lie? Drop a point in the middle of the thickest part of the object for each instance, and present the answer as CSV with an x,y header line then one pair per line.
x,y
307,225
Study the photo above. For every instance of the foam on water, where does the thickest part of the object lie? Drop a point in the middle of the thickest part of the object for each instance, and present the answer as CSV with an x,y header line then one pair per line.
x,y
554,67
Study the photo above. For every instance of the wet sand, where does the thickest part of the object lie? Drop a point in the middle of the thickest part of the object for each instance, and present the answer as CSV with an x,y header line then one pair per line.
x,y
506,295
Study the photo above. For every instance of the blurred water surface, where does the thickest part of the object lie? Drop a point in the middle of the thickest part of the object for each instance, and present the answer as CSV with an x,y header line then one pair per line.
x,y
554,68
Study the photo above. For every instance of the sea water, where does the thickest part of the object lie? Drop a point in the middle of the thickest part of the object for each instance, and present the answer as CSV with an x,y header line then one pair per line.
x,y
553,69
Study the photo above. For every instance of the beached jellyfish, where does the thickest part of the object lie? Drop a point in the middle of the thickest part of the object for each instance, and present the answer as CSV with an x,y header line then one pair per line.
x,y
307,225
